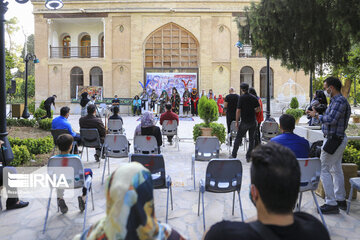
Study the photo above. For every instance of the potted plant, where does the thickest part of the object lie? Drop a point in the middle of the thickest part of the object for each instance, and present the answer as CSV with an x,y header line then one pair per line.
x,y
294,110
356,118
209,113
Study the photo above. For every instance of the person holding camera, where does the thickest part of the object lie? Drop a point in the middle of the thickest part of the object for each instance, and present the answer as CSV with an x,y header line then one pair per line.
x,y
334,123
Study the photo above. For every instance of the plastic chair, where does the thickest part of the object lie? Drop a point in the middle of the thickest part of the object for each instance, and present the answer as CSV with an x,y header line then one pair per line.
x,y
79,180
206,148
56,133
222,176
355,183
269,129
90,138
232,135
310,169
169,128
145,145
0,199
115,126
115,146
156,165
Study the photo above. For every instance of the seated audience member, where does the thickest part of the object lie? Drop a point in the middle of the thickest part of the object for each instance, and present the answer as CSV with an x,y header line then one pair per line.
x,y
275,182
169,115
84,101
64,142
130,212
61,122
12,202
299,145
147,127
116,114
91,121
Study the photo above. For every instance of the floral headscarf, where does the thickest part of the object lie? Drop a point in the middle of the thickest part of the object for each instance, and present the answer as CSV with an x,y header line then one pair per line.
x,y
147,120
129,208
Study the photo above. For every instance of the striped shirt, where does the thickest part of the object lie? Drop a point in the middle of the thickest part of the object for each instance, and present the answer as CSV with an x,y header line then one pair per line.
x,y
334,120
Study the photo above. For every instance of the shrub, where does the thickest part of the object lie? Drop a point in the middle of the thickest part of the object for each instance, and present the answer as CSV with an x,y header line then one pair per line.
x,y
217,130
42,105
34,146
32,107
21,155
208,110
351,155
39,113
45,124
296,113
21,122
294,104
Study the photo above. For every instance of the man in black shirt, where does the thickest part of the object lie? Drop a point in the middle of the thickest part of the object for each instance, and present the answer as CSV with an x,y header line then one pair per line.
x,y
275,182
247,106
115,101
47,106
231,101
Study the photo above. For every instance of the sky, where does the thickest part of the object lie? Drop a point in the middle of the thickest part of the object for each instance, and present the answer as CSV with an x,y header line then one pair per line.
x,y
26,19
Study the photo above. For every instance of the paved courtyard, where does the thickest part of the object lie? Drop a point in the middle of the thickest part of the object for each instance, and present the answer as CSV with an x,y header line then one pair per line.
x,y
27,223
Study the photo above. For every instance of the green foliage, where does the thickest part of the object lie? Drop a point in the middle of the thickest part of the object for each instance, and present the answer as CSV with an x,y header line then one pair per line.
x,y
208,110
294,104
21,122
34,146
21,155
45,124
296,113
39,113
42,105
32,107
217,130
352,153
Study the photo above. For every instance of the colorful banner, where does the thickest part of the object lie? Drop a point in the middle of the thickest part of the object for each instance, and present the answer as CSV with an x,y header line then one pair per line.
x,y
91,90
166,81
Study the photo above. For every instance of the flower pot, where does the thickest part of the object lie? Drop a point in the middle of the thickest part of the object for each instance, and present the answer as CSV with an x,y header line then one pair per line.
x,y
356,119
297,121
205,131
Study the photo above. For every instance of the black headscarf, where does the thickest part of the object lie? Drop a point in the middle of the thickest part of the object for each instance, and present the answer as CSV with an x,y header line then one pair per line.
x,y
84,99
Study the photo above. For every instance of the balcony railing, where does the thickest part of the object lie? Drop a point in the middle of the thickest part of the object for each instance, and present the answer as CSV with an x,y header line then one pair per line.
x,y
246,52
77,52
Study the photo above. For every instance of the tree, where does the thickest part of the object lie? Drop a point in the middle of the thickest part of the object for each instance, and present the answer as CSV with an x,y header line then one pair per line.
x,y
30,49
11,28
9,65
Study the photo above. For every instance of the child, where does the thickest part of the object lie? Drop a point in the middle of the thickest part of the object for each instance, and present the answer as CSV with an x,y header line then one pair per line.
x,y
186,106
137,105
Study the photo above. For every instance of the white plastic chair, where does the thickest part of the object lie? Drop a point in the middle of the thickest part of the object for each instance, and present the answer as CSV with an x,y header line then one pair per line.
x,y
232,135
79,181
355,183
206,148
269,129
115,126
169,128
145,145
115,146
310,169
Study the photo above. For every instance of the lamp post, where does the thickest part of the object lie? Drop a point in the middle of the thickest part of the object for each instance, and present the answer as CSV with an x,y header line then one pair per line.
x,y
29,57
355,103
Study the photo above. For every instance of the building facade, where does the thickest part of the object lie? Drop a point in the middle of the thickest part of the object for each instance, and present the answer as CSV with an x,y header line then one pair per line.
x,y
114,44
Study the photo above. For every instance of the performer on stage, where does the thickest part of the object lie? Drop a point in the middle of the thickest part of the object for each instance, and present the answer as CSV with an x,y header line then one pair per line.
x,y
220,103
186,93
186,106
211,95
194,100
153,98
164,98
144,99
175,101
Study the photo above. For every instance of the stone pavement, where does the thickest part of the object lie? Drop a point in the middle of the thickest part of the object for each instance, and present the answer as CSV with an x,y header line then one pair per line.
x,y
27,223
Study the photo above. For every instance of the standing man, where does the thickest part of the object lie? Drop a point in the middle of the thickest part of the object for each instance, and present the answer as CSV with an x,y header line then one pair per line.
x,y
231,101
169,115
47,106
334,123
247,107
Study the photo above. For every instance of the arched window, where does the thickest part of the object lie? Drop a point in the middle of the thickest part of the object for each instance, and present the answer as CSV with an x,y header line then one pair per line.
x,y
171,46
247,76
66,43
96,77
85,45
76,79
263,83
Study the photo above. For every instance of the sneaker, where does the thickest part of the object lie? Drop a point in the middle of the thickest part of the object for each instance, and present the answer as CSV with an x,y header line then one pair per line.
x,y
81,203
62,205
328,209
97,159
20,204
342,204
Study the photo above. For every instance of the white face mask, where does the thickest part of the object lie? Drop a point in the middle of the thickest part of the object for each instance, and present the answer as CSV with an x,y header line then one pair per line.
x,y
327,94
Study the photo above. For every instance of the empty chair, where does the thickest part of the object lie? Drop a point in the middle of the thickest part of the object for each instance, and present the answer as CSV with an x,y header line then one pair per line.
x,y
115,146
78,179
269,129
156,165
90,138
56,133
355,183
169,128
145,145
232,135
310,169
115,126
206,148
222,176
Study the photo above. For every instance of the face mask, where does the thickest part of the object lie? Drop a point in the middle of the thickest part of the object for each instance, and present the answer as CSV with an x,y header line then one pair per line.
x,y
251,199
327,94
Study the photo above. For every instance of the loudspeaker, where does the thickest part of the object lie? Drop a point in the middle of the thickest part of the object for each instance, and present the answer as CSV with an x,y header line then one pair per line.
x,y
12,89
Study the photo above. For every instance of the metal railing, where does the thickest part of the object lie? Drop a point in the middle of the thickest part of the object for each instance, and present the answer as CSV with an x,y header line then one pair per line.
x,y
77,52
246,52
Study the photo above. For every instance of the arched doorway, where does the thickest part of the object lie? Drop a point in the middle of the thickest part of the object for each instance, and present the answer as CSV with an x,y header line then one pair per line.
x,y
96,77
247,76
263,85
76,79
85,45
66,43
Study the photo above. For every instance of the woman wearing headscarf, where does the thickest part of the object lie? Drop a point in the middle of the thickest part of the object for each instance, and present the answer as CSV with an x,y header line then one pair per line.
x,y
194,97
220,103
129,209
175,101
84,101
319,104
147,128
164,98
